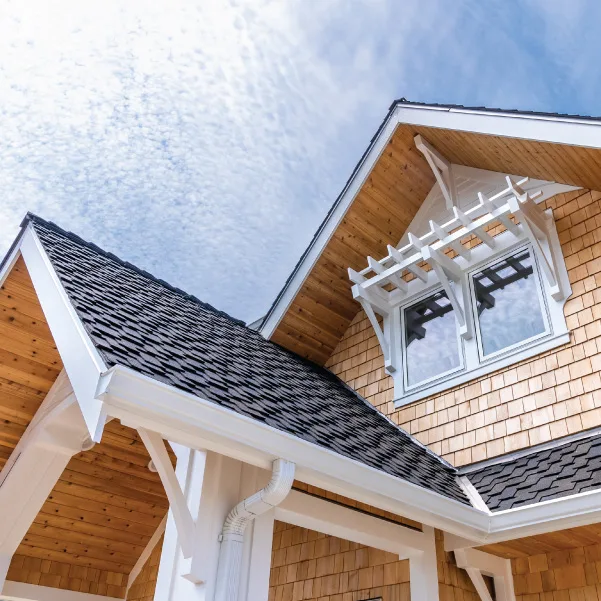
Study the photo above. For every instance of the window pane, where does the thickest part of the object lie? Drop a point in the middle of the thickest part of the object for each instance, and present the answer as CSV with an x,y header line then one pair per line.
x,y
509,309
431,339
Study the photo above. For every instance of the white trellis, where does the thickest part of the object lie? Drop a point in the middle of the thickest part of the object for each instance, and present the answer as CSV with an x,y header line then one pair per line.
x,y
385,283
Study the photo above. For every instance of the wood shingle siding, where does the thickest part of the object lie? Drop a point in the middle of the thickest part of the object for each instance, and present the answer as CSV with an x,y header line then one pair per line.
x,y
543,398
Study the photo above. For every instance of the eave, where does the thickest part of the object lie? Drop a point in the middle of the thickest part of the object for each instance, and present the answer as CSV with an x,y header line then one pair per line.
x,y
390,183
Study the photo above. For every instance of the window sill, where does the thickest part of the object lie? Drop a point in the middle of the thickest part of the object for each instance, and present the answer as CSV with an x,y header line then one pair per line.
x,y
540,346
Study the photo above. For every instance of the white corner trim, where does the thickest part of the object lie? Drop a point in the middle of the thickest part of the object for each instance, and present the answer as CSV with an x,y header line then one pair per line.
x,y
146,553
19,591
83,363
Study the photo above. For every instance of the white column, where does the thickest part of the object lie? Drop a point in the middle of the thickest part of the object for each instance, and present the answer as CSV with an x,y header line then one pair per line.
x,y
211,484
255,586
423,571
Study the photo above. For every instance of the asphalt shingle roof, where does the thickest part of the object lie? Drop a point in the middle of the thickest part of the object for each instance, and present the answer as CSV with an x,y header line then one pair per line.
x,y
137,321
572,468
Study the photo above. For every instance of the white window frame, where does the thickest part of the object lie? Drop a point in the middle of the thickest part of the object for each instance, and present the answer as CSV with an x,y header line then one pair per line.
x,y
541,298
461,367
474,364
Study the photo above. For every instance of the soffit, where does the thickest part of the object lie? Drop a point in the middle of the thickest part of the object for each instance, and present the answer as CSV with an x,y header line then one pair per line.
x,y
400,180
29,361
561,540
107,504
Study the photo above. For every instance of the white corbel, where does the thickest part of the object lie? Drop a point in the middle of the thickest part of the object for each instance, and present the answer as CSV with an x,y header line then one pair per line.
x,y
442,169
538,226
177,502
478,564
451,275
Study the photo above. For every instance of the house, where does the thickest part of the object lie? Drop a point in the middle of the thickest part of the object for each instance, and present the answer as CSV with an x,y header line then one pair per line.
x,y
417,417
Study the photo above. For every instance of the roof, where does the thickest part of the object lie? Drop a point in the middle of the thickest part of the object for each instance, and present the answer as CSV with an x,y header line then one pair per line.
x,y
137,321
541,475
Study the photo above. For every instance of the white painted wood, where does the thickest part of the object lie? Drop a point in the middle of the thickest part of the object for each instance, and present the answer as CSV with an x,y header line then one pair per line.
x,y
80,358
19,591
478,563
259,566
177,501
323,516
442,169
423,570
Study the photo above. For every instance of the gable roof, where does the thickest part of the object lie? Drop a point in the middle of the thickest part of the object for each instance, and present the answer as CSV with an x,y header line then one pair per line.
x,y
137,321
541,475
390,182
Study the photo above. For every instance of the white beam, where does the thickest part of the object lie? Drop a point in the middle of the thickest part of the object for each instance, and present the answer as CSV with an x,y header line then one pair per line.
x,y
423,570
177,501
442,169
82,362
310,512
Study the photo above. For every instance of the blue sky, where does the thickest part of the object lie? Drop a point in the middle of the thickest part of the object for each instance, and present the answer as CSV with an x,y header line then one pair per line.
x,y
205,141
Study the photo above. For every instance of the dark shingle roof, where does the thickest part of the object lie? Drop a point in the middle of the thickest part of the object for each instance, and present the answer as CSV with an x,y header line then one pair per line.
x,y
572,468
140,322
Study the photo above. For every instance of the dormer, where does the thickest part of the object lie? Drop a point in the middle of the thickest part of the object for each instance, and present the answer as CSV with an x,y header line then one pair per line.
x,y
476,283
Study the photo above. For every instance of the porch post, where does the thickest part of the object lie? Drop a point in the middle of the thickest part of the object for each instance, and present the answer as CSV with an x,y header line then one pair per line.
x,y
423,570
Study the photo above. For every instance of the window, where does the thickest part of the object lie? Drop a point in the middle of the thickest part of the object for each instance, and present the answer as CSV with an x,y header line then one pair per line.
x,y
514,316
431,339
508,304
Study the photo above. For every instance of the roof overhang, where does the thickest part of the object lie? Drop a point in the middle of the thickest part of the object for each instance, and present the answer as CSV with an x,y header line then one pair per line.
x,y
140,401
513,143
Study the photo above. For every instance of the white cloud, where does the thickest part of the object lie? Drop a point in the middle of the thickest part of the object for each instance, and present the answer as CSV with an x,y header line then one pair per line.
x,y
205,141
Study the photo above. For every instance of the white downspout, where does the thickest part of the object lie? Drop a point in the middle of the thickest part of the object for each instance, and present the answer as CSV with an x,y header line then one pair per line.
x,y
232,535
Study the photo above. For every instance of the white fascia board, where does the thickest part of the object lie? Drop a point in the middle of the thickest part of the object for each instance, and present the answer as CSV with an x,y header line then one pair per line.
x,y
140,401
543,128
82,362
327,229
20,591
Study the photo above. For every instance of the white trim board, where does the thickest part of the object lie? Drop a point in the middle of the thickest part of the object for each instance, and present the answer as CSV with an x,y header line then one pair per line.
x,y
20,591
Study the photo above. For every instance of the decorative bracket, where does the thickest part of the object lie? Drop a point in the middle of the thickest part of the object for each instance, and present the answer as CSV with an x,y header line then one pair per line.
x,y
442,169
479,564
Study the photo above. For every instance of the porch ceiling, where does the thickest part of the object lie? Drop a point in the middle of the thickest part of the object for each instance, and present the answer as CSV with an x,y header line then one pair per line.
x,y
561,540
107,504
400,180
29,361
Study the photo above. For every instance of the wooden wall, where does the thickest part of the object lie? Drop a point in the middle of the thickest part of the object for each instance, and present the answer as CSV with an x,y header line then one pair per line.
x,y
546,397
144,585
29,361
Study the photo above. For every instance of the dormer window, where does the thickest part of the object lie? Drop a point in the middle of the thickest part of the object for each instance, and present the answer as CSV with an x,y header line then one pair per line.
x,y
475,293
509,304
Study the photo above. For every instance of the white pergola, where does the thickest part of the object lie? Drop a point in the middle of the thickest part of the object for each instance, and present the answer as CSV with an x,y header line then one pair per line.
x,y
388,282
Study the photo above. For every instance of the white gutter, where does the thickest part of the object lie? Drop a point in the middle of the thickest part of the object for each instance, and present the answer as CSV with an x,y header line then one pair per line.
x,y
198,423
238,519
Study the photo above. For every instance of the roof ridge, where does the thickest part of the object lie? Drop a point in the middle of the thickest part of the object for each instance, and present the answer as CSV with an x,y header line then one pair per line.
x,y
32,217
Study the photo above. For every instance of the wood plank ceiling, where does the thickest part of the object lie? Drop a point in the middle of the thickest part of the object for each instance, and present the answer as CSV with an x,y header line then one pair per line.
x,y
583,536
400,180
107,504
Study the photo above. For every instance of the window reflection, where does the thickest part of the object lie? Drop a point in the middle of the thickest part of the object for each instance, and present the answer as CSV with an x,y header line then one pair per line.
x,y
431,339
508,304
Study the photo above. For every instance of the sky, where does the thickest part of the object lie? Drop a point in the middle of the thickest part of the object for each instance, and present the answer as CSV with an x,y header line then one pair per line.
x,y
205,140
